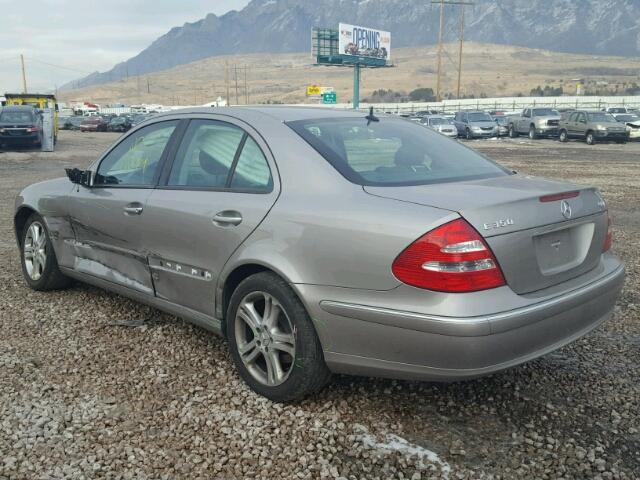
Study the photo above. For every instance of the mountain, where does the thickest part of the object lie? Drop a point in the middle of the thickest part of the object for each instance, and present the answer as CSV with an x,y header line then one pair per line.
x,y
604,27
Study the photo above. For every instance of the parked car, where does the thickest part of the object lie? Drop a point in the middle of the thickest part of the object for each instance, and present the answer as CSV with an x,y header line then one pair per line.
x,y
20,125
445,265
503,125
73,123
616,110
475,125
593,127
440,124
119,124
632,122
138,119
93,124
535,122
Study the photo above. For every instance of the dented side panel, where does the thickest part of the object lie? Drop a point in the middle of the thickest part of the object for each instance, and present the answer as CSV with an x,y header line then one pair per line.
x,y
108,241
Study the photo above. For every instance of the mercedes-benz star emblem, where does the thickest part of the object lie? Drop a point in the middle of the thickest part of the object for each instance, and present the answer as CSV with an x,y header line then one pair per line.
x,y
565,208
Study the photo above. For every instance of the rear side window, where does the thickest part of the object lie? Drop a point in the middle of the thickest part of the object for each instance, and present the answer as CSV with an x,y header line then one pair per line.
x,y
393,152
206,155
218,155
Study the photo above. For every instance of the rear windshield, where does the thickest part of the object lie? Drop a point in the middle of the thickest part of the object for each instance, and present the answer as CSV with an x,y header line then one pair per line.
x,y
16,117
545,112
393,152
440,121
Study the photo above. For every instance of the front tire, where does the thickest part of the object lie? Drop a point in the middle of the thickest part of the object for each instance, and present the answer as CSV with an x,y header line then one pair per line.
x,y
590,139
533,135
468,134
512,132
39,263
272,340
564,137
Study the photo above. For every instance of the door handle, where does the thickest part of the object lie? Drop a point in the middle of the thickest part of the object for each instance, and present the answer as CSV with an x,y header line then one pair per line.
x,y
132,210
227,218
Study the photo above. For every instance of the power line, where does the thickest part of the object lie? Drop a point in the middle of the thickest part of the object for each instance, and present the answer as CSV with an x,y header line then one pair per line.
x,y
59,66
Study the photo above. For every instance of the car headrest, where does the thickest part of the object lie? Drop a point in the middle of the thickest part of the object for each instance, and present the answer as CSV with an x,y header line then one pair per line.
x,y
408,157
210,165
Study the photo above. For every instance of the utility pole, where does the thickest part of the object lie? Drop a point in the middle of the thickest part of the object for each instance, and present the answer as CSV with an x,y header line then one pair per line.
x,y
235,74
442,4
440,34
24,74
148,86
246,92
226,81
460,49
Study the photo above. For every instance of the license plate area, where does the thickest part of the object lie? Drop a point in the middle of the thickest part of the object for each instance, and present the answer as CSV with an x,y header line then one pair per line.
x,y
563,249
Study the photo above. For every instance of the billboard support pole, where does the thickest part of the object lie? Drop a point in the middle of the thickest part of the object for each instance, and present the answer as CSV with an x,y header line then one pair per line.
x,y
356,86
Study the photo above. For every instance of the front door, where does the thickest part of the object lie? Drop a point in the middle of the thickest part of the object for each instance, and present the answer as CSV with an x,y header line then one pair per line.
x,y
217,191
106,218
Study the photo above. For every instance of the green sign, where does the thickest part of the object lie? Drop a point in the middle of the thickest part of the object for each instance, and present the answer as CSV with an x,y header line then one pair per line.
x,y
329,97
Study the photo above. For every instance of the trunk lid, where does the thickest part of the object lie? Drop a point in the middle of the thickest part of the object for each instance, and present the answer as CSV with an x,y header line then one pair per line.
x,y
537,244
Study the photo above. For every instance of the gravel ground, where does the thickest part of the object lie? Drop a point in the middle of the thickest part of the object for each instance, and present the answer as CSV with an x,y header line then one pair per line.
x,y
96,386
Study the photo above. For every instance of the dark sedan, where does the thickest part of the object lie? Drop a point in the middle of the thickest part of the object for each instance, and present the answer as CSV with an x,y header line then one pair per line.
x,y
119,124
20,125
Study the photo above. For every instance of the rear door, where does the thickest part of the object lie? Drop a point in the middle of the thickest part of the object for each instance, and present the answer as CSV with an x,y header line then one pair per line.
x,y
219,187
107,218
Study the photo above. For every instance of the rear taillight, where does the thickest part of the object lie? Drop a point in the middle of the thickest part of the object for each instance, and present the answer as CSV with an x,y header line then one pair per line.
x,y
451,258
608,241
559,196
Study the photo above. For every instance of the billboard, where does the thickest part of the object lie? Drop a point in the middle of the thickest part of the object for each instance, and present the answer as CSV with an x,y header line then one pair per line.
x,y
364,42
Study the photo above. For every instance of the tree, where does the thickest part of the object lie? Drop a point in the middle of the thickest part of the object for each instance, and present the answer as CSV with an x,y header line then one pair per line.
x,y
422,95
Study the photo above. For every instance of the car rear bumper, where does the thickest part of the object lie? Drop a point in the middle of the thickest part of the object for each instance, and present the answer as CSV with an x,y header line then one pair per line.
x,y
374,340
24,139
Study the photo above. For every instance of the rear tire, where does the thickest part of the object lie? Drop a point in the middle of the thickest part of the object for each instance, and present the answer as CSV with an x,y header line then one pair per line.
x,y
590,138
563,137
39,264
272,340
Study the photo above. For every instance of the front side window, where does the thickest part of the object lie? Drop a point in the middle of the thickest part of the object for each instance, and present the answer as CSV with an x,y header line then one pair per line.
x,y
393,152
136,159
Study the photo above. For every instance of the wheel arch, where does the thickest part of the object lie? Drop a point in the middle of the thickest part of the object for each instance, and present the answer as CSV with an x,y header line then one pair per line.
x,y
230,282
20,220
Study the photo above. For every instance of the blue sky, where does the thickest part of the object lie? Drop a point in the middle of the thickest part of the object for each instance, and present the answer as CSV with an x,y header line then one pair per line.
x,y
86,35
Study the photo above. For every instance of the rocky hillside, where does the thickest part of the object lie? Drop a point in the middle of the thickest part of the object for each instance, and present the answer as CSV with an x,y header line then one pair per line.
x,y
610,27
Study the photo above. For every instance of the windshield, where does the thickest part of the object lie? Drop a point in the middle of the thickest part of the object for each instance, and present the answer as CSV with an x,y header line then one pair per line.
x,y
627,118
393,152
545,112
601,117
16,117
439,121
480,117
617,110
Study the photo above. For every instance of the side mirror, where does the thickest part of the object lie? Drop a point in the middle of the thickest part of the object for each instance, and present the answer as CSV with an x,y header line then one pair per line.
x,y
80,177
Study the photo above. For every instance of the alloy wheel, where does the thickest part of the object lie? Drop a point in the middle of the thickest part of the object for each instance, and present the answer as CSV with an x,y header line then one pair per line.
x,y
265,338
35,251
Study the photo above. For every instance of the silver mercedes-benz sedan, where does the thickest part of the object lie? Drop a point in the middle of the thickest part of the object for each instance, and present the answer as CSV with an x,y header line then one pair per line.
x,y
319,241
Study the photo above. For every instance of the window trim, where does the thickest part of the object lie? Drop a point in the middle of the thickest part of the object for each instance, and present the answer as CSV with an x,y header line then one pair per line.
x,y
163,183
175,135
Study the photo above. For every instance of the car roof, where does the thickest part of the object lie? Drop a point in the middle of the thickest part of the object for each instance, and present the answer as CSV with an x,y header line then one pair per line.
x,y
280,113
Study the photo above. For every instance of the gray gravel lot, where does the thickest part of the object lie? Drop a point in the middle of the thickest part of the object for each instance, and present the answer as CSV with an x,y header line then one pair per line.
x,y
83,396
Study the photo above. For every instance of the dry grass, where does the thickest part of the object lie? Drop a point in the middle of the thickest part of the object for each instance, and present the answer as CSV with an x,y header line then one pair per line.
x,y
493,70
